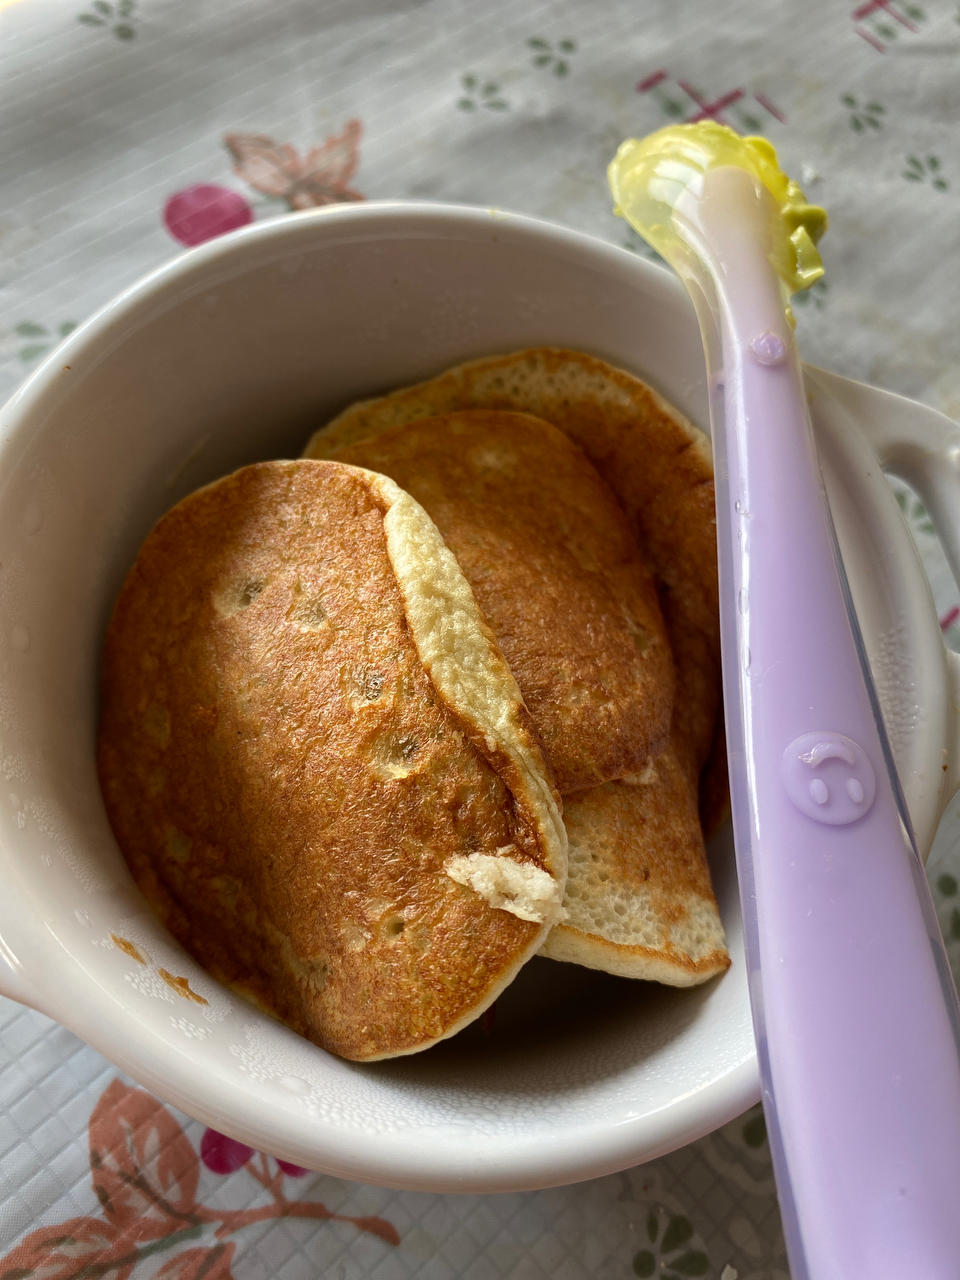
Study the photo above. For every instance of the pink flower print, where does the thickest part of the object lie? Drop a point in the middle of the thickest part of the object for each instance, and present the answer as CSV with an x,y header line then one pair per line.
x,y
146,1175
222,1154
226,1155
199,213
276,169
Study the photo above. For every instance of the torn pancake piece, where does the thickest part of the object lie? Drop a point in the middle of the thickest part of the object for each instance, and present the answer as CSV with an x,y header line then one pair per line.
x,y
639,902
523,889
305,726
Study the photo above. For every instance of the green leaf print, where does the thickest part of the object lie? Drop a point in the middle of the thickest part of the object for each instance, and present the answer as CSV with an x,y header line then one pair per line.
x,y
678,1232
755,1130
546,54
117,18
814,297
476,95
674,1253
927,170
33,352
915,512
863,115
40,338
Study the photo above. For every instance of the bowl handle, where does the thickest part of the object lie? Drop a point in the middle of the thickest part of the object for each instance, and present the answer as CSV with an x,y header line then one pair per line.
x,y
920,446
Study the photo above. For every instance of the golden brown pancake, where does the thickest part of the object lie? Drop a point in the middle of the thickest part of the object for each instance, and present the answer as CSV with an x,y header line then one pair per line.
x,y
655,461
659,466
639,902
557,573
317,762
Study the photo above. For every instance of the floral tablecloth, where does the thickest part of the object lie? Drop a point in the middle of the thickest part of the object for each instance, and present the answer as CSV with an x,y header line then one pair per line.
x,y
130,128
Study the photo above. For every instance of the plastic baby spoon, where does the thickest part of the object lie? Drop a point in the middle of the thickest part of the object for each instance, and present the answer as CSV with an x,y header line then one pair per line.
x,y
854,1008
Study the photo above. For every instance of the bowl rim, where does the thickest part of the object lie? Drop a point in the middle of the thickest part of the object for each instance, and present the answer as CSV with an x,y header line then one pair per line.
x,y
167,275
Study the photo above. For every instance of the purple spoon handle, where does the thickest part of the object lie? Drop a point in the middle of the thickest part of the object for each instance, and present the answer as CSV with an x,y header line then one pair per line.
x,y
855,1012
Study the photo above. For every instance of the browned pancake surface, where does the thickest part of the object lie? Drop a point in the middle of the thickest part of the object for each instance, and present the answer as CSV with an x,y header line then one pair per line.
x,y
636,848
657,464
556,571
286,781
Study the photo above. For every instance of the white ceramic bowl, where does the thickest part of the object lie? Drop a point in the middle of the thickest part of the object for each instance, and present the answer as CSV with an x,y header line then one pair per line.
x,y
234,352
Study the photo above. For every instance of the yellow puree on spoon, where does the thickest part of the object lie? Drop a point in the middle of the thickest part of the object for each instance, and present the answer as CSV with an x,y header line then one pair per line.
x,y
648,177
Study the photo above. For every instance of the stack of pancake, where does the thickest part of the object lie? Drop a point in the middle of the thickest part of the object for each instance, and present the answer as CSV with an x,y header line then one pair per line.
x,y
341,696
